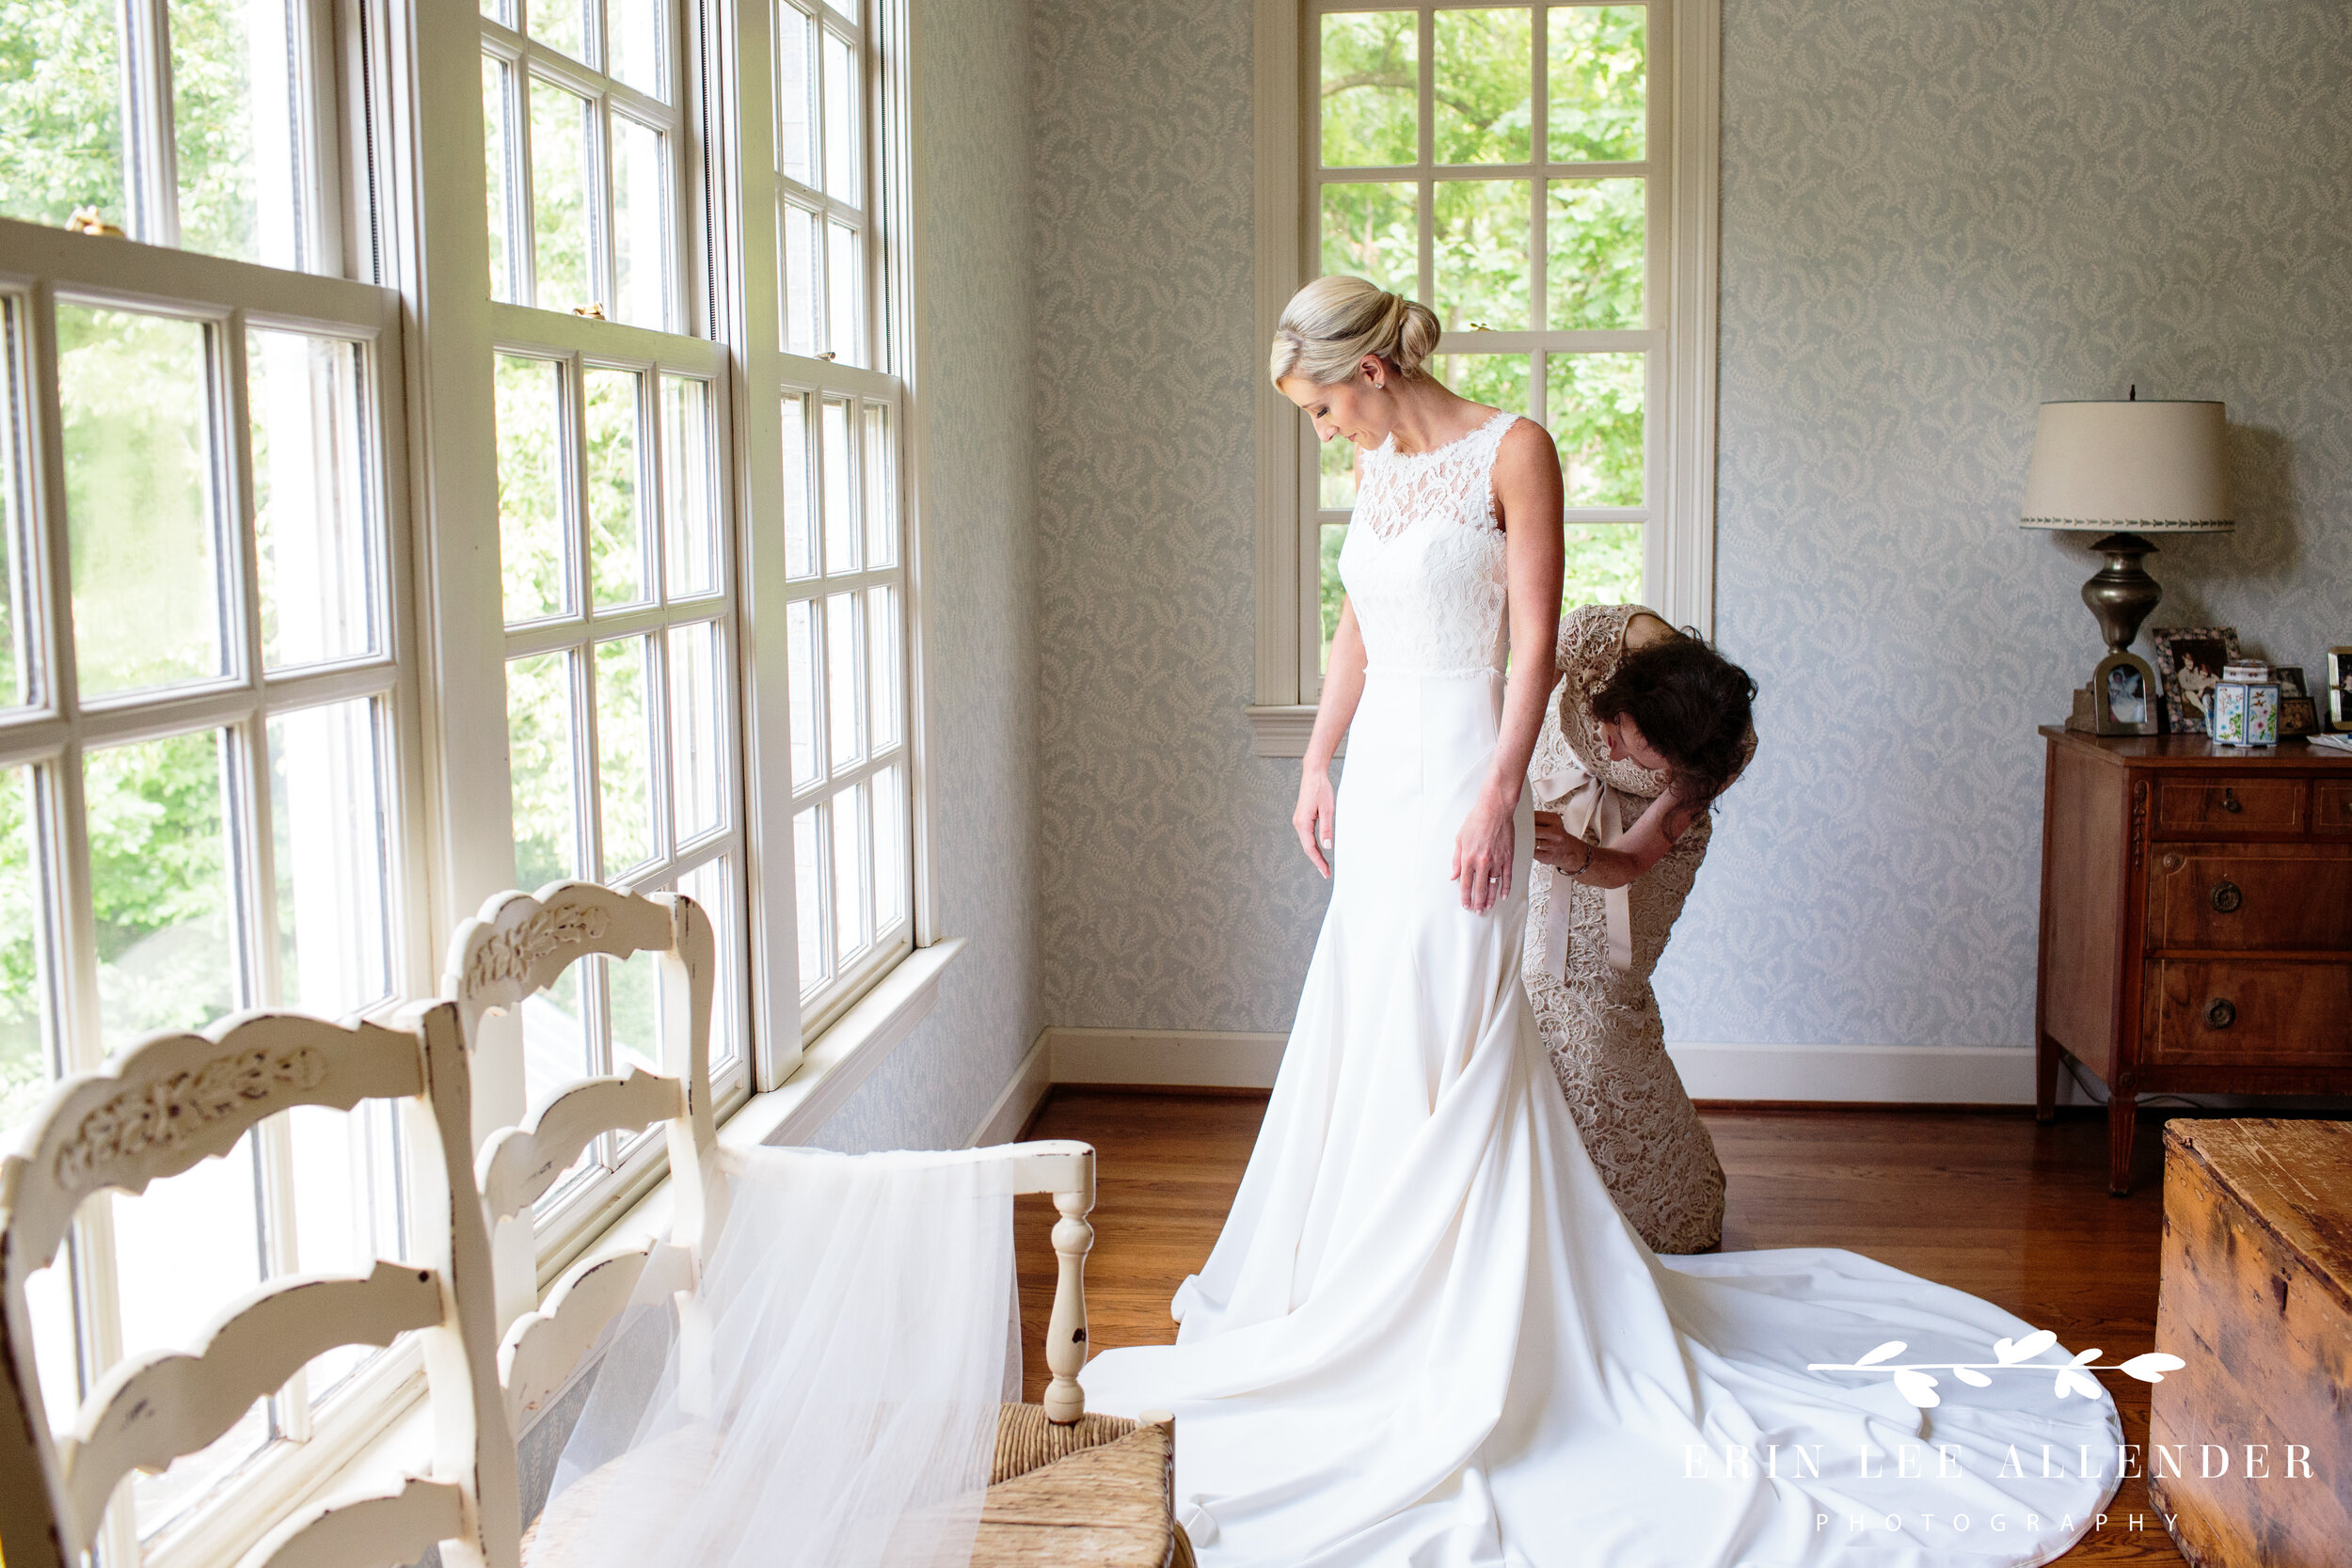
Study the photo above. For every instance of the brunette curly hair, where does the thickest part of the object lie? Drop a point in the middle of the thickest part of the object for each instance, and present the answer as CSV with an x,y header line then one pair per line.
x,y
1690,703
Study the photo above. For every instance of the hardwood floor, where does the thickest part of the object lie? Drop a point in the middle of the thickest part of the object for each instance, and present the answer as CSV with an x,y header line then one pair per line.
x,y
1987,1201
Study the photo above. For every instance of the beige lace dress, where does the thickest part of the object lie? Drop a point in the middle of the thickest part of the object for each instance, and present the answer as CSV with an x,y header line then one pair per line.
x,y
1601,1025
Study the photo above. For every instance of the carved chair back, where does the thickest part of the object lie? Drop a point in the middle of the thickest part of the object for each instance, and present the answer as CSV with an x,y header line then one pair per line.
x,y
176,1099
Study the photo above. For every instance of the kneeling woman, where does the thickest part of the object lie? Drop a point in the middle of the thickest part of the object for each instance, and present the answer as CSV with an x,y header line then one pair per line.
x,y
1647,726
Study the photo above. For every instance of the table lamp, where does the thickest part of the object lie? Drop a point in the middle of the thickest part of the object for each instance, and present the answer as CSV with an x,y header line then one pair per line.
x,y
2124,469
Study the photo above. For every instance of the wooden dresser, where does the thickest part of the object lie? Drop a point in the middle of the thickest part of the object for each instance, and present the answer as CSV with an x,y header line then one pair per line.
x,y
2196,922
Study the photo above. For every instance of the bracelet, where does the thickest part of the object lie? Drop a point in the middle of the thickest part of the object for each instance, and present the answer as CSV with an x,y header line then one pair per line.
x,y
1584,864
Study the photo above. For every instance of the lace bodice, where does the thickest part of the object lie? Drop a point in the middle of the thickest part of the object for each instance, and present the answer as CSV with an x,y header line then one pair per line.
x,y
1422,564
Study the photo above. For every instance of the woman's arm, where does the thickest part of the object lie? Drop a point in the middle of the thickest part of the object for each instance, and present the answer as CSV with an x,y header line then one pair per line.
x,y
1528,496
1641,846
1343,687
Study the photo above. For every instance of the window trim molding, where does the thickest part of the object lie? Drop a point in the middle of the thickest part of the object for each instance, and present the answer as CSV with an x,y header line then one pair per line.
x,y
1679,553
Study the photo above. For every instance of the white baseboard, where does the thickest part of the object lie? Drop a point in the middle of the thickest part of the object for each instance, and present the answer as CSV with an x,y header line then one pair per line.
x,y
1031,1081
1892,1074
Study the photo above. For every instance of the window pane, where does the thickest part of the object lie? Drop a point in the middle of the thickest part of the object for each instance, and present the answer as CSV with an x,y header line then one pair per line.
x,y
712,885
890,861
499,10
328,836
17,658
346,1207
542,772
498,173
795,39
315,536
842,117
1593,232
881,666
561,158
845,325
1484,99
843,715
641,225
632,989
1480,256
1371,90
800,548
1595,401
850,929
27,1063
624,763
618,570
1334,535
184,1249
534,558
234,116
1499,379
148,597
808,876
801,283
561,25
1597,58
1373,231
697,732
881,513
689,499
841,531
1335,463
61,112
555,1052
847,8
800,653
49,1300
633,45
160,893
1604,564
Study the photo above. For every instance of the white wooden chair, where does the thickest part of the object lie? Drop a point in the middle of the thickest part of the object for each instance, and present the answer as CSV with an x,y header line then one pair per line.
x,y
520,944
174,1100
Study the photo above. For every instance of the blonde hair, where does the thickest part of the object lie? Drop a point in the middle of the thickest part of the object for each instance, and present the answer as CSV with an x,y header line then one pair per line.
x,y
1331,324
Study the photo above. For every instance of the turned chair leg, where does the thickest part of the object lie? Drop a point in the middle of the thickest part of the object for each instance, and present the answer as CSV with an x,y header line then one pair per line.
x,y
1066,1333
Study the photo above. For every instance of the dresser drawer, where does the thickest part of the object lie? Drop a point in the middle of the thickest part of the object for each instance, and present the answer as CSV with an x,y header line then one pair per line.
x,y
2212,805
2331,806
2250,897
2248,1010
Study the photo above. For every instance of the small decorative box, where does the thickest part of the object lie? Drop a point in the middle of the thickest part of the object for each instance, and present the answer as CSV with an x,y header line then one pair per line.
x,y
2243,708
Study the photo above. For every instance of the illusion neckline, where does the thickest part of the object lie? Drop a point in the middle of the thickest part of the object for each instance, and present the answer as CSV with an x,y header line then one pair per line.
x,y
1388,442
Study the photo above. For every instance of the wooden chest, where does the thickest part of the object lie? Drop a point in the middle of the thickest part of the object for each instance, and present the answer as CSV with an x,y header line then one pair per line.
x,y
2196,922
2257,1298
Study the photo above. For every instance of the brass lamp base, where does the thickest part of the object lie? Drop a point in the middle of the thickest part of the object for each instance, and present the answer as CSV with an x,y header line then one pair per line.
x,y
2122,696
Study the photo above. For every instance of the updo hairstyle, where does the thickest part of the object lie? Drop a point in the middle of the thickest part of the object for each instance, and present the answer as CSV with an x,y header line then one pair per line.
x,y
1691,704
1331,324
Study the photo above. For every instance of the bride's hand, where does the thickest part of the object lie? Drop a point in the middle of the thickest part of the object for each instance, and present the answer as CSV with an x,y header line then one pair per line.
x,y
1314,814
1483,853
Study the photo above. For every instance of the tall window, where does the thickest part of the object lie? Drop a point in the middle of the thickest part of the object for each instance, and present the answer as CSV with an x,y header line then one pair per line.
x,y
1514,166
843,531
207,693
616,538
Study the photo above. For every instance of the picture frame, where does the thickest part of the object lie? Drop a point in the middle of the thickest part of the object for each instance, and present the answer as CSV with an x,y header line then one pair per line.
x,y
2124,698
2290,680
2340,688
2191,660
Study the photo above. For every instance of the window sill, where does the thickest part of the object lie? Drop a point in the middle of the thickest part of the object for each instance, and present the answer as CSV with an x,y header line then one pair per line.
x,y
1283,731
383,1437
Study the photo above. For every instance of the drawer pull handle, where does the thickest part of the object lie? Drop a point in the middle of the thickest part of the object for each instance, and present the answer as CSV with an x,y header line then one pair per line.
x,y
2220,1012
2229,801
2226,897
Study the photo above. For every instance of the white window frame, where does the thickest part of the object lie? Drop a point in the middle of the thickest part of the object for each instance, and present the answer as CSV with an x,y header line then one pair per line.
x,y
1683,169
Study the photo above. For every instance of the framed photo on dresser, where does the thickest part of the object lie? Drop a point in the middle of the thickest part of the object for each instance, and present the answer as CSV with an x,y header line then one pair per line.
x,y
2191,660
2340,688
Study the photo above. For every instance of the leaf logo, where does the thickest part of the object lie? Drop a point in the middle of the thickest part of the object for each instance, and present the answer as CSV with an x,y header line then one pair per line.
x,y
2073,1377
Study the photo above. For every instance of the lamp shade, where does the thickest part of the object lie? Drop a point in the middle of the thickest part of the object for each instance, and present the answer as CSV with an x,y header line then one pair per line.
x,y
2147,466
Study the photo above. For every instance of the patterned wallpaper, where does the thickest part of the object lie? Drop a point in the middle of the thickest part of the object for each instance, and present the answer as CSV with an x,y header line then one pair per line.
x,y
1174,895
1934,216
980,581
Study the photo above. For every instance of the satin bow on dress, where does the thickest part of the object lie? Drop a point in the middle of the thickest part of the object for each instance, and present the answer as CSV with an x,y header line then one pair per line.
x,y
1586,804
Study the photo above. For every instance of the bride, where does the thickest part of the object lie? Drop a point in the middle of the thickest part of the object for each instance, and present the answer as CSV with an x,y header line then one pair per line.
x,y
1427,1336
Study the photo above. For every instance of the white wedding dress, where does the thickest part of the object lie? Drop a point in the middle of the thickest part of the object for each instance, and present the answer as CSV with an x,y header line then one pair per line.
x,y
1426,1337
